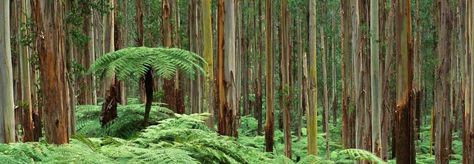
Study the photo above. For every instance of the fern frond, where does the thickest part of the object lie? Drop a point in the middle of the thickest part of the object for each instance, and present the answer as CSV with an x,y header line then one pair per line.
x,y
134,62
357,154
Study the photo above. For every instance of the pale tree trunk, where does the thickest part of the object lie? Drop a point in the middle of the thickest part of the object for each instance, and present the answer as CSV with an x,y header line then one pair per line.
x,y
227,69
27,108
270,116
208,56
404,132
7,122
48,17
443,87
376,95
313,99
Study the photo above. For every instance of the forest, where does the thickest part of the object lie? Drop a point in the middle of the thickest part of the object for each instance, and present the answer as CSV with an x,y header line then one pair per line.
x,y
237,81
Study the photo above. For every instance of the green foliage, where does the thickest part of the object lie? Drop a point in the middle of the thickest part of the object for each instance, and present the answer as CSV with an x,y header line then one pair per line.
x,y
128,124
350,155
134,62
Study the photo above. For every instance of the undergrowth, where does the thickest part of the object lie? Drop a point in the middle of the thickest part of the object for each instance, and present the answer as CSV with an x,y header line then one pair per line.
x,y
172,138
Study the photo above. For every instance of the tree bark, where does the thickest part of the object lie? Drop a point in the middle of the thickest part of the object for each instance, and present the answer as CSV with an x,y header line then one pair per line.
x,y
48,17
376,91
7,124
285,74
208,56
270,116
346,70
468,117
405,146
313,99
173,93
443,86
27,106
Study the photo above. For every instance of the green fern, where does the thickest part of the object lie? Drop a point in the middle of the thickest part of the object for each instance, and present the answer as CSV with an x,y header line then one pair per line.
x,y
134,62
350,155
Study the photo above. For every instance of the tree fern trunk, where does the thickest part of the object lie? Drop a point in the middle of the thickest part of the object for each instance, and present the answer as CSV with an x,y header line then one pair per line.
x,y
149,95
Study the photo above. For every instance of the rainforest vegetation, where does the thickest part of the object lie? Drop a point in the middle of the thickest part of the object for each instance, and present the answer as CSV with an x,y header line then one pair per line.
x,y
236,81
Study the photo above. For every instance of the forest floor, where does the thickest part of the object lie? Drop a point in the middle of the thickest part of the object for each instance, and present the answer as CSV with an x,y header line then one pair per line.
x,y
173,138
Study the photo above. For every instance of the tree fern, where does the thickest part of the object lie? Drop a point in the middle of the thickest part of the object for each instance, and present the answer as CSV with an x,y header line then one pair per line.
x,y
134,62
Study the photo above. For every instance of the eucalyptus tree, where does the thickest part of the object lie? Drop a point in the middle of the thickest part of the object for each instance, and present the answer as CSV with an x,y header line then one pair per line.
x,y
7,124
270,116
134,63
313,99
443,86
468,128
51,52
405,146
376,95
208,56
226,68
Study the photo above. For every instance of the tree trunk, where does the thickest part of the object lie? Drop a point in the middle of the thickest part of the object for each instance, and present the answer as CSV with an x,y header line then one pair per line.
x,y
376,91
27,107
325,92
405,146
346,70
140,40
443,87
313,99
285,74
468,117
270,116
48,18
173,93
208,56
258,95
7,124
149,94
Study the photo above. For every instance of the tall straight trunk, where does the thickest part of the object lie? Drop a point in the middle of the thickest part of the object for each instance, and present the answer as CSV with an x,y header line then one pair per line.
x,y
27,108
270,116
227,68
405,146
300,106
118,44
285,74
334,84
140,41
258,95
208,56
443,87
111,84
48,18
195,84
245,58
387,62
313,95
7,124
375,83
85,93
346,70
325,91
173,93
468,117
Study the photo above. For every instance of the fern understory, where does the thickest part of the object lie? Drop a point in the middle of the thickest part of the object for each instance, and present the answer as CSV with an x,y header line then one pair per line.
x,y
173,138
